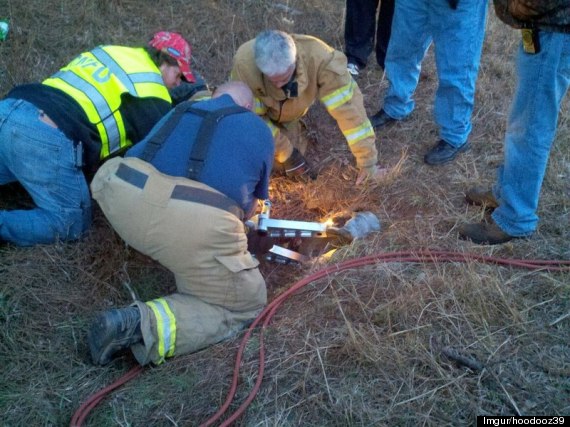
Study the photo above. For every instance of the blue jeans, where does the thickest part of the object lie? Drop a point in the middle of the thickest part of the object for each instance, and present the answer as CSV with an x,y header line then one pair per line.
x,y
457,36
543,80
43,160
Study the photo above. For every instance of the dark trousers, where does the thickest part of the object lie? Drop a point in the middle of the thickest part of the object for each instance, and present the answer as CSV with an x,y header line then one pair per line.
x,y
361,26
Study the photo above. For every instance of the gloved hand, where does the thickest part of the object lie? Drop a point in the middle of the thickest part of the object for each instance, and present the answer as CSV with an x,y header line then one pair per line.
x,y
258,244
297,167
523,11
375,173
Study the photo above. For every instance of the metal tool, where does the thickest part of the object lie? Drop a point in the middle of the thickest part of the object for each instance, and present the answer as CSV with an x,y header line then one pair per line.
x,y
360,225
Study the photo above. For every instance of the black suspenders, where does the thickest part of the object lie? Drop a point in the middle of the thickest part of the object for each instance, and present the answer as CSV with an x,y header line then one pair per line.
x,y
210,120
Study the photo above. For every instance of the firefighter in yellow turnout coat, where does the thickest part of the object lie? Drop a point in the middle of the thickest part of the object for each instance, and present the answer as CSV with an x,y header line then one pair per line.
x,y
287,73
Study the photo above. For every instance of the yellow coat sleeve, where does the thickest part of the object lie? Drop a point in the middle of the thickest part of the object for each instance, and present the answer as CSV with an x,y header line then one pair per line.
x,y
343,100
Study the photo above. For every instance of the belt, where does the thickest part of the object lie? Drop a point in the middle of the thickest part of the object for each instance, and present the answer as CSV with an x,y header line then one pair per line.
x,y
183,192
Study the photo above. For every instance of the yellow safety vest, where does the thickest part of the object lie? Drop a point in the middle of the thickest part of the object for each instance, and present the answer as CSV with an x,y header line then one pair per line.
x,y
97,79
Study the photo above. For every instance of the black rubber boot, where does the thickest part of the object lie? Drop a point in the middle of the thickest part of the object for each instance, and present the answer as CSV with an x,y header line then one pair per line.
x,y
444,152
112,331
381,119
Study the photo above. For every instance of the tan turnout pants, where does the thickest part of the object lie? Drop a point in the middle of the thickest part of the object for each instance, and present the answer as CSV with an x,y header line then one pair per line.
x,y
291,135
219,287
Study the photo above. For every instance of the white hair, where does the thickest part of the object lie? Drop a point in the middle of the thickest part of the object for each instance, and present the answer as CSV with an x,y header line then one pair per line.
x,y
275,52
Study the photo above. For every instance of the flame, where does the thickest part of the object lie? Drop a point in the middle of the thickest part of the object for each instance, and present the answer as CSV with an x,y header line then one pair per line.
x,y
328,222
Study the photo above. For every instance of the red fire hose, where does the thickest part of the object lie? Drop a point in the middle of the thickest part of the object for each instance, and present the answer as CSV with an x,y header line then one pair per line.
x,y
424,256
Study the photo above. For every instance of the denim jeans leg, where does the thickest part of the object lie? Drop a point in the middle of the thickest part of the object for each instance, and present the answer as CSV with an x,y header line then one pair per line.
x,y
43,160
543,80
408,45
458,41
6,108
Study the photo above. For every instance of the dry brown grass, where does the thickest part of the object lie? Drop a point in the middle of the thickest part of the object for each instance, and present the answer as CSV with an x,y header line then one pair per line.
x,y
365,347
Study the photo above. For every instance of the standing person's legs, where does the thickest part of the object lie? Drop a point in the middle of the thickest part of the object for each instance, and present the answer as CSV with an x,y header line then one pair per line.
x,y
45,162
383,30
543,80
406,51
458,41
359,29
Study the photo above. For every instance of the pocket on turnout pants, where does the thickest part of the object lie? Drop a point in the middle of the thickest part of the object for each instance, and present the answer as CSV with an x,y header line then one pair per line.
x,y
246,289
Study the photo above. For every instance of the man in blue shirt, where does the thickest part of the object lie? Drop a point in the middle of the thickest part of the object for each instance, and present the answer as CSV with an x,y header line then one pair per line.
x,y
180,197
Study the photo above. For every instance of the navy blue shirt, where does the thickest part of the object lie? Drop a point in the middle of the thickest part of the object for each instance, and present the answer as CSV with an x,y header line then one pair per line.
x,y
239,159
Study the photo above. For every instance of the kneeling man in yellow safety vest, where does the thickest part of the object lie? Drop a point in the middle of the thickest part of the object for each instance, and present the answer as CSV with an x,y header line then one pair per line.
x,y
55,134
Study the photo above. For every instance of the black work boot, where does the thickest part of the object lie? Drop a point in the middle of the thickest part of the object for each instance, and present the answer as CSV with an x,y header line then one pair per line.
x,y
484,233
481,197
443,152
297,168
112,331
381,119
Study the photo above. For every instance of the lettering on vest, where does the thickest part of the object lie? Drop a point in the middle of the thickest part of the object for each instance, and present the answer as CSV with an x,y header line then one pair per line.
x,y
98,74
84,62
102,74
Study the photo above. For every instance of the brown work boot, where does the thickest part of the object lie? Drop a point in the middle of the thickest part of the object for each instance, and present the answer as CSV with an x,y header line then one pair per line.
x,y
481,197
484,233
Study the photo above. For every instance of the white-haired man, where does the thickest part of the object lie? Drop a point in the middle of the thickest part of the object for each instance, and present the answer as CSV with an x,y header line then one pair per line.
x,y
287,73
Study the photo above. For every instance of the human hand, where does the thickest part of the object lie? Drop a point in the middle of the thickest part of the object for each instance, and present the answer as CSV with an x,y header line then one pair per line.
x,y
258,244
524,12
375,173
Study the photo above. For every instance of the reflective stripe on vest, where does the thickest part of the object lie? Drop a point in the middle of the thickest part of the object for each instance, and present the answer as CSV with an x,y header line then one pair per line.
x,y
274,129
165,328
129,80
97,79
